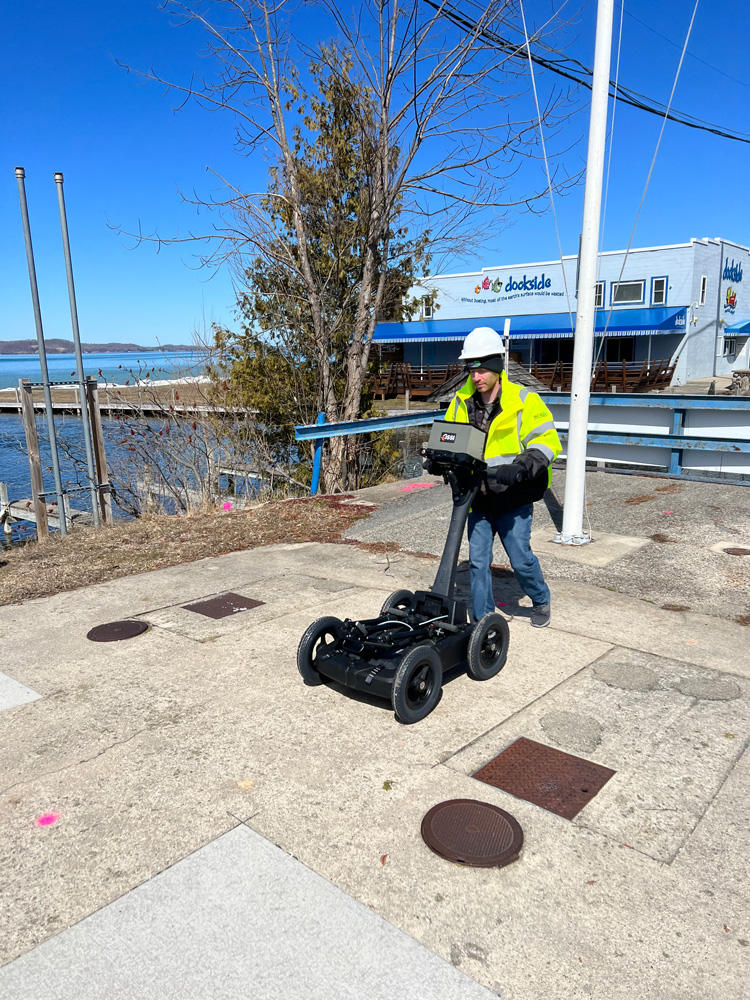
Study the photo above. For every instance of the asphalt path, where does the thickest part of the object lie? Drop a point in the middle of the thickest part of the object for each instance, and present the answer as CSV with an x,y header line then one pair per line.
x,y
683,523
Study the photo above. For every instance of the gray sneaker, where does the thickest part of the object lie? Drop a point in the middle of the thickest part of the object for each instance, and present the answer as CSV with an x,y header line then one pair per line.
x,y
540,615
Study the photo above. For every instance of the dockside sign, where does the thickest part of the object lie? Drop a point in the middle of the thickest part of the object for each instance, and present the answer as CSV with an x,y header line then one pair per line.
x,y
527,284
513,288
732,272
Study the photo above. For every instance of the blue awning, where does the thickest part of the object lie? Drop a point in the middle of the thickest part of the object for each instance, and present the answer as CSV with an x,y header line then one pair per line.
x,y
738,329
545,326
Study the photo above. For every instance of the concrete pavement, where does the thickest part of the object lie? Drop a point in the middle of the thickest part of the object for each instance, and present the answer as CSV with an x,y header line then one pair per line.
x,y
174,761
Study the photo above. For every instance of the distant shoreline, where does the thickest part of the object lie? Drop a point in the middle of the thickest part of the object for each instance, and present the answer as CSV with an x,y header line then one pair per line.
x,y
56,346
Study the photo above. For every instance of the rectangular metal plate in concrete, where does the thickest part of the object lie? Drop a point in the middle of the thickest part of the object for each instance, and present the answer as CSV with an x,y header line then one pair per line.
x,y
283,594
238,918
224,605
13,693
552,779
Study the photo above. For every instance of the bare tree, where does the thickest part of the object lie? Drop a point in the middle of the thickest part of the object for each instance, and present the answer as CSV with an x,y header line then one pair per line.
x,y
435,112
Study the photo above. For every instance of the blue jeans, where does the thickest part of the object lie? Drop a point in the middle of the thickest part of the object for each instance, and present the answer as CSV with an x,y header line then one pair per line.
x,y
514,529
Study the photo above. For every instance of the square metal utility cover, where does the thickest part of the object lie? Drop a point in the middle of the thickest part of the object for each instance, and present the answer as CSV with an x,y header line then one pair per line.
x,y
223,606
549,778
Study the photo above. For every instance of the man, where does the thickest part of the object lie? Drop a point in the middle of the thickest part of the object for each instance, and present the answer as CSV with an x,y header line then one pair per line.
x,y
521,445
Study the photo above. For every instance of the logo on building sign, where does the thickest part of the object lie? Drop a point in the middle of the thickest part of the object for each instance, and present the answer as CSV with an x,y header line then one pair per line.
x,y
524,284
732,272
487,286
730,303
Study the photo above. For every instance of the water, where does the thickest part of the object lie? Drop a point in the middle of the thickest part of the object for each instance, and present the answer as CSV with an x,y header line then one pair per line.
x,y
112,368
14,464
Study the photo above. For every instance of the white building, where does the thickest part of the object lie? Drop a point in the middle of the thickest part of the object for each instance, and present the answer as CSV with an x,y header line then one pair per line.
x,y
686,301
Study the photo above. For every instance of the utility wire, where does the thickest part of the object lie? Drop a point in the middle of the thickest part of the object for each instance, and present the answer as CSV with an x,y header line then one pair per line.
x,y
546,166
653,163
611,144
578,72
692,55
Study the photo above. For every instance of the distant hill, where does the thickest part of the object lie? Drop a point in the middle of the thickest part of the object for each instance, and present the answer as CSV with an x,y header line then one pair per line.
x,y
66,347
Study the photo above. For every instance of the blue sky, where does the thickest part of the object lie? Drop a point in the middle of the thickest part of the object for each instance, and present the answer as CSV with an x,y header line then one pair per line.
x,y
126,155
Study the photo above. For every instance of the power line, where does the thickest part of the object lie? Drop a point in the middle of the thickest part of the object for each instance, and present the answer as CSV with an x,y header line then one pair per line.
x,y
692,55
578,72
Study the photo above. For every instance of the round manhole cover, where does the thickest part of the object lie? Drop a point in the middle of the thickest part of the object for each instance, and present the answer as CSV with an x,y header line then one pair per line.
x,y
472,833
734,551
114,631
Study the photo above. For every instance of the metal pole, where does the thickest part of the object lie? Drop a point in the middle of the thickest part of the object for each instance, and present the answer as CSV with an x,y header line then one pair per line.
x,y
20,175
317,459
77,346
717,329
575,476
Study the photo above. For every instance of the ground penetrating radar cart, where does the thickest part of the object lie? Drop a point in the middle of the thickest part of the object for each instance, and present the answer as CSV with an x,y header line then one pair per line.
x,y
402,654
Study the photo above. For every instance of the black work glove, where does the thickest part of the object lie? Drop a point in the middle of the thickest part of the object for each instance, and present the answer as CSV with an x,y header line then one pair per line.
x,y
500,477
527,465
429,467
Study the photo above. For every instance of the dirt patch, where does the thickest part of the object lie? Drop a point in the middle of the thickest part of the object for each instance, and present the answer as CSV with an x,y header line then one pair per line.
x,y
669,488
370,546
743,619
383,547
660,537
675,607
89,556
504,572
632,501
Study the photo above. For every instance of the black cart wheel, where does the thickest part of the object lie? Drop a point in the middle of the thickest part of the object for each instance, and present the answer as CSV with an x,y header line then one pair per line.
x,y
398,599
488,647
321,632
416,686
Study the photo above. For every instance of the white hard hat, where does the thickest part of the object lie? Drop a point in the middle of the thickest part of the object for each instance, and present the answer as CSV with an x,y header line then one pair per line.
x,y
482,342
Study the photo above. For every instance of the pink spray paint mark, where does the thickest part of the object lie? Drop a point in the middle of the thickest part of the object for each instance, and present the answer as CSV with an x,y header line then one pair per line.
x,y
669,512
416,486
47,819
500,604
227,505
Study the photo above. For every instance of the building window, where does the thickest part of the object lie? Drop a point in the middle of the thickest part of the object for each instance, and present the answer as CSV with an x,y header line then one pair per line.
x,y
627,291
658,291
426,307
730,347
599,295
704,282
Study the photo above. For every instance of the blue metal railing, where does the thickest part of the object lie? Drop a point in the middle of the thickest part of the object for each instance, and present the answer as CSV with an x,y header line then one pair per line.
x,y
735,408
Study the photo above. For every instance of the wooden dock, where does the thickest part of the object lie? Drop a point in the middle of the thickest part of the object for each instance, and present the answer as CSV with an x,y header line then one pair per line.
x,y
140,400
23,510
131,408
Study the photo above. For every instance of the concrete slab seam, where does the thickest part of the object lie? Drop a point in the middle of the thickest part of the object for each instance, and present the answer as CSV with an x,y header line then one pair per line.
x,y
639,649
78,763
518,711
334,886
711,801
148,878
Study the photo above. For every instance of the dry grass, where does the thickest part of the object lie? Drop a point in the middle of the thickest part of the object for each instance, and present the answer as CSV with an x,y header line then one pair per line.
x,y
89,556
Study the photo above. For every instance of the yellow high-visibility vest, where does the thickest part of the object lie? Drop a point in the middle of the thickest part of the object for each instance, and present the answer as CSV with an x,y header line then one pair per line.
x,y
524,421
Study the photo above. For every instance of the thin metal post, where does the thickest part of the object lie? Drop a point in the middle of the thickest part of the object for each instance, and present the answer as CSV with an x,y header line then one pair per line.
x,y
77,347
5,517
318,458
35,464
678,424
100,455
20,176
575,472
